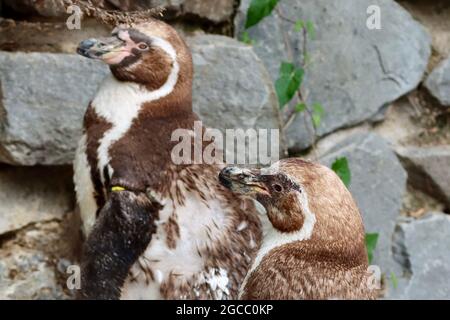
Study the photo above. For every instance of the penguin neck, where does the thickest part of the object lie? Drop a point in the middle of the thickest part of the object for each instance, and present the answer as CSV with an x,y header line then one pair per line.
x,y
176,103
118,101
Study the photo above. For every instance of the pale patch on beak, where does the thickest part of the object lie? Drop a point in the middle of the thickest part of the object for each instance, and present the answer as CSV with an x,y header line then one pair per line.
x,y
111,50
242,181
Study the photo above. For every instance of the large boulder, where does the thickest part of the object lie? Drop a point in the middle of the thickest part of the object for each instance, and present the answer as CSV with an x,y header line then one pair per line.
x,y
46,8
216,11
32,195
422,248
428,169
438,83
44,97
26,275
378,183
232,89
354,71
40,232
34,261
435,17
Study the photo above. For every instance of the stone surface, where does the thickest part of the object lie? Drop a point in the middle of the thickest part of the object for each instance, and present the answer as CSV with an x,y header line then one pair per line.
x,y
44,97
438,82
378,183
54,37
435,16
34,261
46,8
353,71
31,195
215,11
400,126
32,278
232,89
423,250
47,36
428,169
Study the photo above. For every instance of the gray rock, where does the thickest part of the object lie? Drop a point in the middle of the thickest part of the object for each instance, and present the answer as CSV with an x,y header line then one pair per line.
x,y
27,275
354,71
46,8
428,169
34,259
214,10
423,250
378,184
438,82
30,195
44,97
232,89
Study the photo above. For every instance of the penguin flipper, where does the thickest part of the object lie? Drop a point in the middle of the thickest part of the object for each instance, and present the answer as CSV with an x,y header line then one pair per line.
x,y
121,233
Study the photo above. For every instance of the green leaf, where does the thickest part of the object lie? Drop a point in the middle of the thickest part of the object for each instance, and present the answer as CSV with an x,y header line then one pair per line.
x,y
288,82
245,38
340,166
258,10
310,29
300,107
371,243
299,25
394,280
317,113
286,67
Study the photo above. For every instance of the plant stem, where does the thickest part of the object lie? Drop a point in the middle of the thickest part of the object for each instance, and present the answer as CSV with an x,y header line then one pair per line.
x,y
292,113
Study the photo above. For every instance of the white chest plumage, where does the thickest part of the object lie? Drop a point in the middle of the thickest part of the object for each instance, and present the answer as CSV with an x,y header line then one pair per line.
x,y
84,186
197,222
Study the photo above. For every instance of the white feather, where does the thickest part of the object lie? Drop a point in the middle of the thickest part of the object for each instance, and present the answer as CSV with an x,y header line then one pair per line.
x,y
84,187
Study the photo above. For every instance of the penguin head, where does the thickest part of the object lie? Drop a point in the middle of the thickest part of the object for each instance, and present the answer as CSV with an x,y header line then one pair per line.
x,y
281,195
149,53
300,196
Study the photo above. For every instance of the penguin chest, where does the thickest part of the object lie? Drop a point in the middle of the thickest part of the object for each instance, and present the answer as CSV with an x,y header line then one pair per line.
x,y
182,260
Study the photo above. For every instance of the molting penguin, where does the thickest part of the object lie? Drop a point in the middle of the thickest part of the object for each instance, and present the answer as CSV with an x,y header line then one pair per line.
x,y
313,242
162,231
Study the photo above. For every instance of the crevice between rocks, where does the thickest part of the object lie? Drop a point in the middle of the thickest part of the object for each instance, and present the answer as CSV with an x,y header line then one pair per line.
x,y
400,252
420,179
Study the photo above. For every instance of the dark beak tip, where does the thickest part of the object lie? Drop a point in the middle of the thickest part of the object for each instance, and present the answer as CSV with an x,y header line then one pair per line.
x,y
223,179
85,46
81,51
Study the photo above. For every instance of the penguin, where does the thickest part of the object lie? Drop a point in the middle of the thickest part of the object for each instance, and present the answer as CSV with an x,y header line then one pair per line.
x,y
162,230
313,243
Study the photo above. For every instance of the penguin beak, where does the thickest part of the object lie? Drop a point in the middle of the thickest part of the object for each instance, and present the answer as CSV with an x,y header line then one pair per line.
x,y
243,181
111,50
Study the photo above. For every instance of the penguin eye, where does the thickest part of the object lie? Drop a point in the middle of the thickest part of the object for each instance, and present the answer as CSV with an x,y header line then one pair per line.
x,y
277,187
143,46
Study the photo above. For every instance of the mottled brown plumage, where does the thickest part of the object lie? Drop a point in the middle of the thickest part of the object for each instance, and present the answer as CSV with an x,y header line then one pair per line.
x,y
314,247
